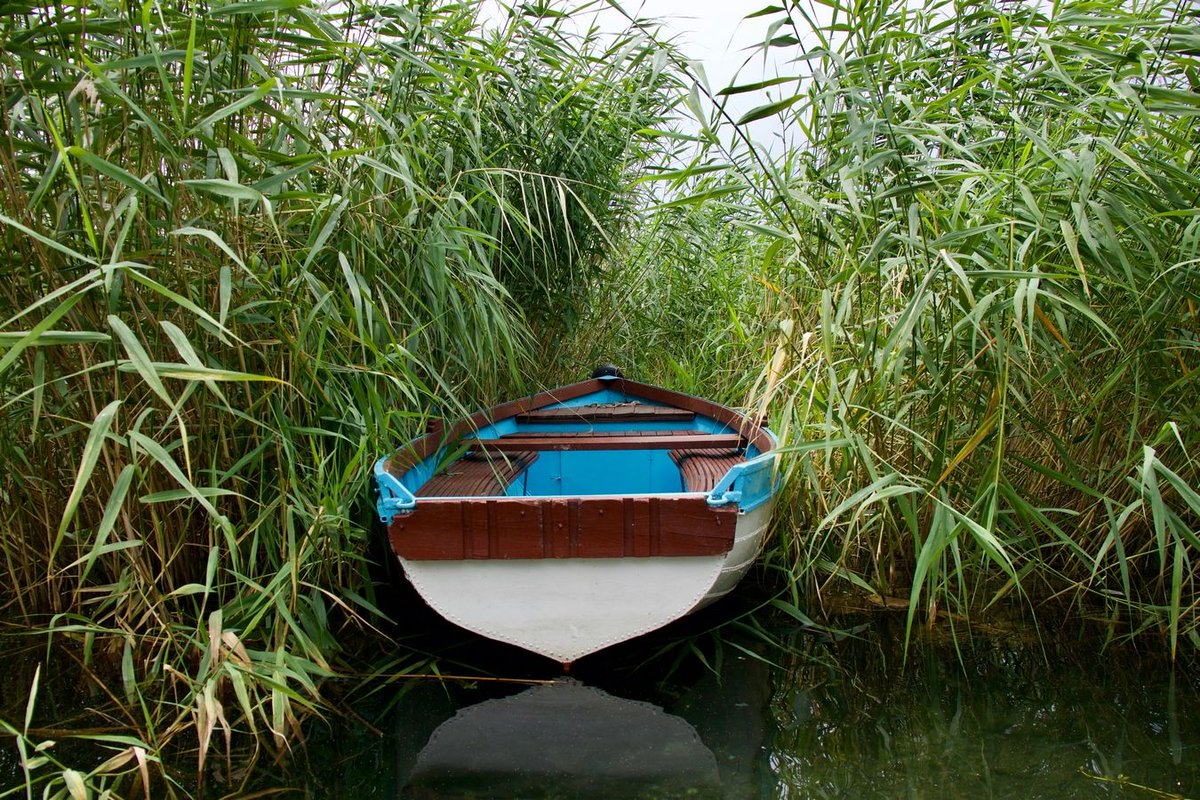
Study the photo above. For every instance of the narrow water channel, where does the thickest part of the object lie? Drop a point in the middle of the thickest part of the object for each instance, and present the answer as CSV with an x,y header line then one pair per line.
x,y
812,717
698,712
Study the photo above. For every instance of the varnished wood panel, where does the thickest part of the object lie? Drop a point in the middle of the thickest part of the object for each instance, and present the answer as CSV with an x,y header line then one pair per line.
x,y
409,537
693,527
601,529
516,529
558,521
562,527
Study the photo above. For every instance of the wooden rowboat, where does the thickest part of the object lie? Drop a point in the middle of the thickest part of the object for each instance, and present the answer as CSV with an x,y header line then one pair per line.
x,y
580,517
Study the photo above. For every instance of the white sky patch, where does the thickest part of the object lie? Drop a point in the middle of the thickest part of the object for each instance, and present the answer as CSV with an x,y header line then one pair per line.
x,y
717,37
726,46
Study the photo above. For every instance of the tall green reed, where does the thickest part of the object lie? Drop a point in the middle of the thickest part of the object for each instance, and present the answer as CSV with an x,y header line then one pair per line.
x,y
984,237
1000,259
247,249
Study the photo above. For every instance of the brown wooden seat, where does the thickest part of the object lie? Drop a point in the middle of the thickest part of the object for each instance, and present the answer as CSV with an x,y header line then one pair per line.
x,y
611,440
478,474
703,469
608,412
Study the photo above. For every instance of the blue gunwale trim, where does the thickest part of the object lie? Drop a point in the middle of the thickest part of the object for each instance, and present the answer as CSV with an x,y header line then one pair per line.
x,y
394,496
748,484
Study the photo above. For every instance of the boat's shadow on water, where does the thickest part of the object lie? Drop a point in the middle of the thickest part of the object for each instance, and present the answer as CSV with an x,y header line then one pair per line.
x,y
569,739
625,724
563,739
692,711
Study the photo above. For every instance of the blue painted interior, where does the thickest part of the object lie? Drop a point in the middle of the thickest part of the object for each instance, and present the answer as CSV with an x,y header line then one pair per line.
x,y
605,426
585,472
602,396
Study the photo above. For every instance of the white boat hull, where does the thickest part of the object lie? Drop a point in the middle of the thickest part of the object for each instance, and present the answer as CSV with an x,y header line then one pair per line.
x,y
567,608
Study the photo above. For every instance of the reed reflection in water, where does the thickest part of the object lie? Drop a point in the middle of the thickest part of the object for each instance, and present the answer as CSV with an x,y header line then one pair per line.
x,y
1001,718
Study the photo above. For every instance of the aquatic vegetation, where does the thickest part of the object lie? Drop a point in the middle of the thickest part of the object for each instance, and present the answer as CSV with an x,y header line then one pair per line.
x,y
247,248
979,245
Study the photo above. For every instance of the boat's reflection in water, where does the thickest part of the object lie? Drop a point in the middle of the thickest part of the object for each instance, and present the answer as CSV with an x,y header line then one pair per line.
x,y
564,740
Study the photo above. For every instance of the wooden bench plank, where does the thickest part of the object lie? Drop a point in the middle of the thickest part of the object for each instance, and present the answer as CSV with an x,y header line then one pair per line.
x,y
615,412
478,475
620,440
702,469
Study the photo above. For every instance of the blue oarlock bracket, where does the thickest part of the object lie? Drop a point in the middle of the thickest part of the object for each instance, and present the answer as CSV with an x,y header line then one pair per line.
x,y
749,484
394,496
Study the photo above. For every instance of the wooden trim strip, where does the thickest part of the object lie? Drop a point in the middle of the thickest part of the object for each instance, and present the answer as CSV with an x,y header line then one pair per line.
x,y
750,429
422,448
507,528
602,434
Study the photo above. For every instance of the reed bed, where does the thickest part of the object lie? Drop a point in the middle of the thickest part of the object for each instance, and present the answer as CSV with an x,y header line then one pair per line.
x,y
979,248
247,248
250,246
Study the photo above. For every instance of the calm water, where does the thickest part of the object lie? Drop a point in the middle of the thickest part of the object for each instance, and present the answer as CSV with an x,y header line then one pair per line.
x,y
692,713
812,718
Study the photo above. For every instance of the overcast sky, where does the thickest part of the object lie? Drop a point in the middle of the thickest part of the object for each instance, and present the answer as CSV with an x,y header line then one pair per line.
x,y
711,32
715,34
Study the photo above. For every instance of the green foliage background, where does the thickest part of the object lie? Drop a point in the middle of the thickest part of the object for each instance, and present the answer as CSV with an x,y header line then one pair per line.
x,y
979,254
249,247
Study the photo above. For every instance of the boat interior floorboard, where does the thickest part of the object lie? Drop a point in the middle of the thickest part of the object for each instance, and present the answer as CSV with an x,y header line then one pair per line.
x,y
478,474
702,470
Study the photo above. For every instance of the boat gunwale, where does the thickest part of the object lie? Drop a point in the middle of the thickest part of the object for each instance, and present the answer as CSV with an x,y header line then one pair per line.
x,y
423,447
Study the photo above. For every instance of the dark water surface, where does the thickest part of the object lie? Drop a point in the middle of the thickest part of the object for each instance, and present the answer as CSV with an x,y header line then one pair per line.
x,y
811,717
694,712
